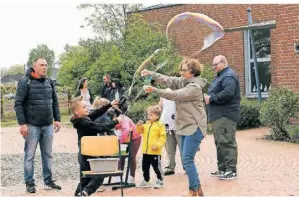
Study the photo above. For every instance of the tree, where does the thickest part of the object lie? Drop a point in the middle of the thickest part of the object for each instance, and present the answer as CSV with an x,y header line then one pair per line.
x,y
95,47
42,50
93,58
73,65
109,21
16,69
13,70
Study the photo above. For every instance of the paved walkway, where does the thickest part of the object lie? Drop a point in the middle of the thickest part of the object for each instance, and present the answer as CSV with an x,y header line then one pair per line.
x,y
264,168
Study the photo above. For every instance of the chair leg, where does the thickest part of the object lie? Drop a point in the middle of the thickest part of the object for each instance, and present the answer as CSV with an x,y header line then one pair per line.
x,y
121,185
109,180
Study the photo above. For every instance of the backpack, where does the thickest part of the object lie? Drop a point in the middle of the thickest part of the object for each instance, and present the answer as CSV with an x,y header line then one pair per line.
x,y
28,81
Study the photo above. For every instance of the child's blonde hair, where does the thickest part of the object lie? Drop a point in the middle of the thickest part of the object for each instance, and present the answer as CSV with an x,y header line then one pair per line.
x,y
99,102
155,109
75,103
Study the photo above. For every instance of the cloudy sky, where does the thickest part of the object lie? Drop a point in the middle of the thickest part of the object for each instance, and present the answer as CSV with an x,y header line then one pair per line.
x,y
24,26
27,23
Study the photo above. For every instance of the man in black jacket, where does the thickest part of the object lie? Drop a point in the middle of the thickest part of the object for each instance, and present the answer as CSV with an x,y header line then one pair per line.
x,y
36,106
105,92
224,113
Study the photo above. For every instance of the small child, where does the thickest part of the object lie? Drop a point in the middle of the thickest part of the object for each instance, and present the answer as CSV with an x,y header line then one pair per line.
x,y
98,103
85,125
125,127
154,137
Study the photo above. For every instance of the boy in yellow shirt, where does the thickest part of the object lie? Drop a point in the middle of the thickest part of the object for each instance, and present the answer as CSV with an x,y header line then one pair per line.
x,y
153,140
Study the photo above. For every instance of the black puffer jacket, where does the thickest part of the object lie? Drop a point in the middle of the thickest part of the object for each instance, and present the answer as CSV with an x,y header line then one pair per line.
x,y
36,101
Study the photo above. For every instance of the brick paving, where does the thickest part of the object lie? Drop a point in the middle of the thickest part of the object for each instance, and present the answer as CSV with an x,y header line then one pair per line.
x,y
265,168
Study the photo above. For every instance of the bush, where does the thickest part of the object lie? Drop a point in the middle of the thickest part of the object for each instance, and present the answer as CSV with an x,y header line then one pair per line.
x,y
277,112
294,133
250,112
208,74
137,110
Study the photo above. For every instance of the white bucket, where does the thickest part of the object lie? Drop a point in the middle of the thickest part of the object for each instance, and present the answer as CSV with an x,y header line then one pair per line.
x,y
103,164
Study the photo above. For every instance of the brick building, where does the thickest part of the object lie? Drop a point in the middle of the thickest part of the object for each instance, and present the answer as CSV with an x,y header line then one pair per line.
x,y
276,33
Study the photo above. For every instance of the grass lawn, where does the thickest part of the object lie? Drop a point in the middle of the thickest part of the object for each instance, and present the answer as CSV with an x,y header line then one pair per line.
x,y
65,120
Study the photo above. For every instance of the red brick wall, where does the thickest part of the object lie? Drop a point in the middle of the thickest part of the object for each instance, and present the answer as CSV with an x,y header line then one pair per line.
x,y
286,33
284,62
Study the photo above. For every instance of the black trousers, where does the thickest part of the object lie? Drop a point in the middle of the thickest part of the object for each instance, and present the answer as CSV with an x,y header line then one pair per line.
x,y
147,162
90,185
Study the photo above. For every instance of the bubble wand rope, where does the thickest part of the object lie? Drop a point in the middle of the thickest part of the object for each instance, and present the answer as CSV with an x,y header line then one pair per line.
x,y
139,69
149,78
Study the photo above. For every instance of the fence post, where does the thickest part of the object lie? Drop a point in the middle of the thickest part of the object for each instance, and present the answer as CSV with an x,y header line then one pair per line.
x,y
69,97
2,113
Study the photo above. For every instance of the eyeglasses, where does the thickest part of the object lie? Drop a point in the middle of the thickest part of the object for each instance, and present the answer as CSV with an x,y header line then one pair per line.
x,y
217,63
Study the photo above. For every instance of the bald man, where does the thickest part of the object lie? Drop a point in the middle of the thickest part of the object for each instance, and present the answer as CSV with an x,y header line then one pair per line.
x,y
223,102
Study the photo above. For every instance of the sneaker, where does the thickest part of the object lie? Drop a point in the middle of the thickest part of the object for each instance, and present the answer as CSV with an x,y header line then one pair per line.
x,y
131,180
168,172
84,193
159,184
145,184
51,185
229,176
218,173
30,188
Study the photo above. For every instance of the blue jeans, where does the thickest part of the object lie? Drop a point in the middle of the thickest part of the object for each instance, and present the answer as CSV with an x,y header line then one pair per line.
x,y
43,136
189,145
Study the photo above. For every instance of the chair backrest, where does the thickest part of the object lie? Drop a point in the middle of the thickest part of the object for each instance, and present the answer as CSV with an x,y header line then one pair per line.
x,y
99,145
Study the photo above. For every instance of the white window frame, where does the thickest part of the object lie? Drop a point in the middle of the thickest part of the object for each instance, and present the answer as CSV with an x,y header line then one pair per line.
x,y
248,62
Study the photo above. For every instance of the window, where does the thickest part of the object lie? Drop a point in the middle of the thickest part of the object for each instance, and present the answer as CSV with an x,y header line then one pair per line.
x,y
263,54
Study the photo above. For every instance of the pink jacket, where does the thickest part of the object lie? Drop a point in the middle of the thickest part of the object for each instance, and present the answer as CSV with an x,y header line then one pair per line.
x,y
126,126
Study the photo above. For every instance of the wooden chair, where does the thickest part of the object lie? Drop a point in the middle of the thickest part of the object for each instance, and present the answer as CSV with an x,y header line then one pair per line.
x,y
107,146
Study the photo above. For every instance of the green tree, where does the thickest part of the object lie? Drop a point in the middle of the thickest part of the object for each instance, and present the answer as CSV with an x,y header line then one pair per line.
x,y
42,50
142,39
73,65
94,58
109,21
16,69
110,62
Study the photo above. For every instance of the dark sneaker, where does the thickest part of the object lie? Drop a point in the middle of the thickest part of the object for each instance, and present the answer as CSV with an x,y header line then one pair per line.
x,y
229,176
51,185
30,188
168,172
77,192
218,173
